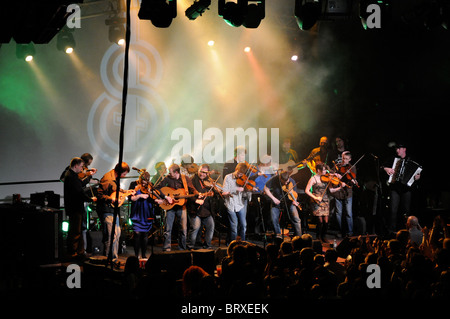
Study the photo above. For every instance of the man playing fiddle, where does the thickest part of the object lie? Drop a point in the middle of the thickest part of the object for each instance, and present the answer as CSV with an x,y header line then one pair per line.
x,y
74,199
282,190
236,205
344,196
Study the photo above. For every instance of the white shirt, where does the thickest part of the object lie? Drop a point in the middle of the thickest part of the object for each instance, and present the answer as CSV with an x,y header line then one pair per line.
x,y
239,199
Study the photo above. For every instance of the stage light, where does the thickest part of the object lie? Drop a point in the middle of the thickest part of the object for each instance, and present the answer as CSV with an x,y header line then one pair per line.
x,y
116,32
197,9
243,12
307,12
255,13
247,49
25,51
294,57
159,12
65,41
211,43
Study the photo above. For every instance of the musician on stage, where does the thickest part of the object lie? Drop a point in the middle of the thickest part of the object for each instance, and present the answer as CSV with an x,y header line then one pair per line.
x,y
74,199
318,190
344,197
239,157
200,211
279,188
105,207
236,201
176,180
142,213
400,194
161,171
320,154
287,153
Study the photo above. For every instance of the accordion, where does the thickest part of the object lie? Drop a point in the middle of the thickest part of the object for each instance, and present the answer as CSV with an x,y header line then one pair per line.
x,y
405,170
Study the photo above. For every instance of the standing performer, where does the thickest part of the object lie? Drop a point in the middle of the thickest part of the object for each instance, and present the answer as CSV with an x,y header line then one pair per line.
x,y
344,197
74,199
400,192
106,201
318,188
142,213
175,180
161,170
282,190
200,212
237,203
319,154
239,157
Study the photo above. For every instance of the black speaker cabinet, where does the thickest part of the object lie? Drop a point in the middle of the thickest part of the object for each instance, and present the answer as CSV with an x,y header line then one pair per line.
x,y
30,235
204,258
174,262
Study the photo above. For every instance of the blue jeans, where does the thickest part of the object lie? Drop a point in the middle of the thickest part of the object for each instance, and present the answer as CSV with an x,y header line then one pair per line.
x,y
347,204
293,216
195,224
238,223
180,213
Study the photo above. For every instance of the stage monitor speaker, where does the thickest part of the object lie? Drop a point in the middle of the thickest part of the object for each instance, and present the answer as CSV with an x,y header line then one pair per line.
x,y
204,258
174,262
94,243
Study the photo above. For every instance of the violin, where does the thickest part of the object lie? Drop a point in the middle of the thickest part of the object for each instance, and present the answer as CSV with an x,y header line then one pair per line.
x,y
332,179
289,189
86,173
254,169
245,182
348,175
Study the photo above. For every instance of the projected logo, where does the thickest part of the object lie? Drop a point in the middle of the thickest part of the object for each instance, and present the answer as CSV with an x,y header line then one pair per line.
x,y
146,113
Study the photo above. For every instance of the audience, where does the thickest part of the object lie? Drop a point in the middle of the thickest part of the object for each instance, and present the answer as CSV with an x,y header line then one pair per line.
x,y
294,269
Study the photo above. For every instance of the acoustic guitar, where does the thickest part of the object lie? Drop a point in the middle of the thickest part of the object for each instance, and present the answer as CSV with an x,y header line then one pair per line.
x,y
179,196
122,196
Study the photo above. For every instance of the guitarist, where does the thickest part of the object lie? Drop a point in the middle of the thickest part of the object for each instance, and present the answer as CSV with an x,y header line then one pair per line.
x,y
200,211
176,180
105,207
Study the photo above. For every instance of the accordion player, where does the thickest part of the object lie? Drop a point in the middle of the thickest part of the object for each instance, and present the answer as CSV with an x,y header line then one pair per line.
x,y
404,171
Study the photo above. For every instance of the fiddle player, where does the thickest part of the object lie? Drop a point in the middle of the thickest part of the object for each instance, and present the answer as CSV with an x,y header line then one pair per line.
x,y
344,197
318,190
142,213
282,190
236,205
200,212
74,199
106,200
176,180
